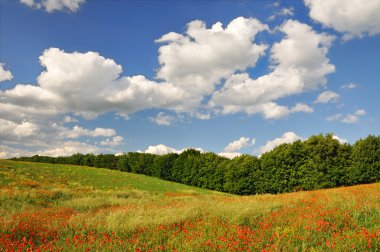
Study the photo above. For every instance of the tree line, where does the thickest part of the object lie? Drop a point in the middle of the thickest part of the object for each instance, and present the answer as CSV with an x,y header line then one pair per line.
x,y
318,162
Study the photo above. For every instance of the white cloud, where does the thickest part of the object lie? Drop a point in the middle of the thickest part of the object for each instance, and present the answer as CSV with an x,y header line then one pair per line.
x,y
229,155
326,97
272,110
341,140
199,59
162,119
124,116
282,13
87,84
352,17
274,5
238,144
300,107
54,5
300,64
5,74
350,85
348,118
29,3
231,148
32,133
69,148
10,130
46,136
162,149
115,141
192,66
25,129
102,132
78,131
69,119
287,11
287,137
360,112
9,152
55,149
336,117
202,116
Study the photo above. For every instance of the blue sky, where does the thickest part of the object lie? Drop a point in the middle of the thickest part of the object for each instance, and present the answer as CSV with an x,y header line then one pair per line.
x,y
160,76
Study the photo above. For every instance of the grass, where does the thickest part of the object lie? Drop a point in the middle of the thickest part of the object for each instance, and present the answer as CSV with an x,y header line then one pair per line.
x,y
61,207
24,174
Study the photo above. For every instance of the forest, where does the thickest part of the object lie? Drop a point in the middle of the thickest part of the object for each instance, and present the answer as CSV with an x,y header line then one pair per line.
x,y
318,162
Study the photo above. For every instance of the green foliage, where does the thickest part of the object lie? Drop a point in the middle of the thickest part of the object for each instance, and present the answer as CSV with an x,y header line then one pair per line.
x,y
282,168
318,162
163,166
242,175
366,160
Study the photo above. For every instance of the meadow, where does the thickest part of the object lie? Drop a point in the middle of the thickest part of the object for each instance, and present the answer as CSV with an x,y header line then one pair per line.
x,y
50,207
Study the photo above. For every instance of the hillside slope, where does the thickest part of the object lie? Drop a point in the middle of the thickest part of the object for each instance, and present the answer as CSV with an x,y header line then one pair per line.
x,y
26,174
69,208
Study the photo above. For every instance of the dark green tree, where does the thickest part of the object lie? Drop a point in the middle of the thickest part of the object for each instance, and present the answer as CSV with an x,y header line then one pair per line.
x,y
163,165
281,168
242,175
186,166
366,160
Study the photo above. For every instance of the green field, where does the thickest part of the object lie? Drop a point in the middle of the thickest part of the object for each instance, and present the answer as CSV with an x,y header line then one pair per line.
x,y
62,207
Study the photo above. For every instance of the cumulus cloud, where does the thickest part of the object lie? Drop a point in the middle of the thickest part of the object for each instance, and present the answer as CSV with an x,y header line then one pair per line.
x,y
115,141
340,140
191,65
202,62
287,137
46,136
162,119
54,5
28,133
229,155
351,17
162,149
9,129
69,119
282,13
274,5
57,149
203,116
88,84
5,74
301,107
10,152
230,151
239,144
78,131
300,64
69,148
199,59
326,97
350,85
85,84
348,118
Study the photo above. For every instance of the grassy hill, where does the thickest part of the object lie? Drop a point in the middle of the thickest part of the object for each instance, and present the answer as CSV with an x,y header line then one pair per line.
x,y
61,207
24,174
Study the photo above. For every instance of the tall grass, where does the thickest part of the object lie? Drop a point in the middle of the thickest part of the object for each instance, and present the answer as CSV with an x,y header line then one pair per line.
x,y
70,208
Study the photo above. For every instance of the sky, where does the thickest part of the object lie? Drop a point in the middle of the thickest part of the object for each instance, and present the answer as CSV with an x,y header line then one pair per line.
x,y
228,76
